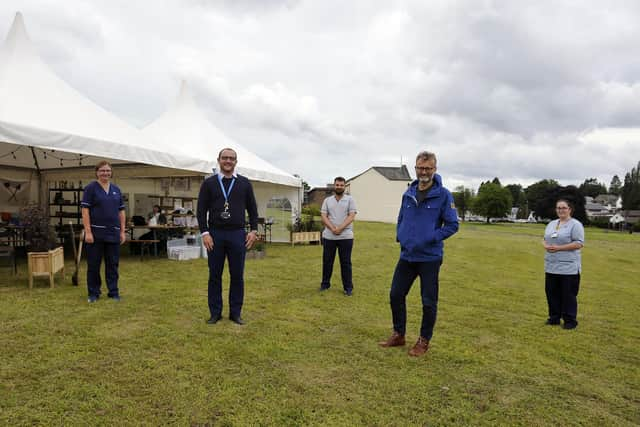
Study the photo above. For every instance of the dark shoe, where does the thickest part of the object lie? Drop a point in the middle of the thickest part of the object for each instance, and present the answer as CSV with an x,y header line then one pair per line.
x,y
323,288
214,319
116,298
569,325
551,321
348,292
92,299
237,320
395,340
421,347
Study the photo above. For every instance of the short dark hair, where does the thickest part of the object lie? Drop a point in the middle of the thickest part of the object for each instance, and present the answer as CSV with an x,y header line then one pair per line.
x,y
339,178
225,149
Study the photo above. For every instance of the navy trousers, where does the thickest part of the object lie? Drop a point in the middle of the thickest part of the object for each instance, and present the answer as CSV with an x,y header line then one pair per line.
x,y
96,251
562,292
227,244
344,248
403,278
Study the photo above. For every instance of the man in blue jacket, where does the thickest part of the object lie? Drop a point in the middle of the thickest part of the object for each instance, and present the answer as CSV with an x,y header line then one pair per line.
x,y
427,217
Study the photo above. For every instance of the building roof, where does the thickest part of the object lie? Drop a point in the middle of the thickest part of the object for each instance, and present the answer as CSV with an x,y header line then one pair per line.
x,y
606,198
392,173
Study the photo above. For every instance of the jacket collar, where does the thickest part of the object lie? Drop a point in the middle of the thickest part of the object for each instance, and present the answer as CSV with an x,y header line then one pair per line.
x,y
435,189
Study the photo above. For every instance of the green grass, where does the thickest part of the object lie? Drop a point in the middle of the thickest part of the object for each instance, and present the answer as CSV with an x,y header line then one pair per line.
x,y
310,358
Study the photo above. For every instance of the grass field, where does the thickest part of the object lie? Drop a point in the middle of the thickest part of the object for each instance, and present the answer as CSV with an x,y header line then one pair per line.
x,y
306,358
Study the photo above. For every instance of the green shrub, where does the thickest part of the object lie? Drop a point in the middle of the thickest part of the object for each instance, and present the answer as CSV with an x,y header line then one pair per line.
x,y
600,222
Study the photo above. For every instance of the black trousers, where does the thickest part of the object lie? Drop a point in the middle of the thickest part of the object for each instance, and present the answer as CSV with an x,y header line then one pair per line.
x,y
562,292
344,248
227,244
405,274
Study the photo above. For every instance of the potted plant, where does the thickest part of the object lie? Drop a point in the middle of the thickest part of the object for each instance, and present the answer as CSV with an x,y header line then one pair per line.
x,y
306,227
44,256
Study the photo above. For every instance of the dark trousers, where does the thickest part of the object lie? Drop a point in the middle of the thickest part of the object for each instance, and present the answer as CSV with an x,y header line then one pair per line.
x,y
111,254
562,291
227,244
403,278
344,248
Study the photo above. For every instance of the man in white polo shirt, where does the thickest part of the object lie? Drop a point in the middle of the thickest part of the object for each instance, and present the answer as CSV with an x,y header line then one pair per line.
x,y
338,212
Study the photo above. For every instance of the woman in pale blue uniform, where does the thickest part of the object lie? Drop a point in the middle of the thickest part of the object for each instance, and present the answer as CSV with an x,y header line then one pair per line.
x,y
563,239
103,218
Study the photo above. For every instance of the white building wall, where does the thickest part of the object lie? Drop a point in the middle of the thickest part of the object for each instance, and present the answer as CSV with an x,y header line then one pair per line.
x,y
377,198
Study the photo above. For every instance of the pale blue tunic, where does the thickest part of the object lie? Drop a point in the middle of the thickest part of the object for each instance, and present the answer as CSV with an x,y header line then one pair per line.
x,y
563,262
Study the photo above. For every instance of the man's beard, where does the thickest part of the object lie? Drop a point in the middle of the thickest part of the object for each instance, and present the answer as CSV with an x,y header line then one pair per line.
x,y
339,192
425,179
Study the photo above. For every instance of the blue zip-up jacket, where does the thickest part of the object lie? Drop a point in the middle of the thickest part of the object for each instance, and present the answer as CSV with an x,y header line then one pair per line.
x,y
422,228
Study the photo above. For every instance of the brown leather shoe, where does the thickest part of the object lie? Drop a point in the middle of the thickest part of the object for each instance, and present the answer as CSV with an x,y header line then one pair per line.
x,y
395,340
421,347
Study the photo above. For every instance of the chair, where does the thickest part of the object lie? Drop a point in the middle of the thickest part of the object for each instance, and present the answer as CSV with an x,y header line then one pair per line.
x,y
9,253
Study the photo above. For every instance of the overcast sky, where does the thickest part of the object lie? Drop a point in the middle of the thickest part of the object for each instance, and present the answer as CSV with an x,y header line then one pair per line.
x,y
515,89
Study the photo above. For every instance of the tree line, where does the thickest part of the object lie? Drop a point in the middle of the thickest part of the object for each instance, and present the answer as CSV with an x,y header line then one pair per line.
x,y
493,200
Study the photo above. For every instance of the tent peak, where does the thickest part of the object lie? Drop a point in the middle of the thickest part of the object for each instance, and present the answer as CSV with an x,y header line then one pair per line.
x,y
17,42
18,32
185,97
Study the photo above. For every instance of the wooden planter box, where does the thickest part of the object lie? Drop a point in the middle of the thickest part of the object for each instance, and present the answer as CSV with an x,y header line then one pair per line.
x,y
45,264
305,236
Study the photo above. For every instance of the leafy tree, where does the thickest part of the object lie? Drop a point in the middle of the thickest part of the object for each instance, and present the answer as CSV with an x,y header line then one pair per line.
x,y
631,189
546,206
492,201
591,187
517,194
496,181
463,198
536,192
616,186
305,186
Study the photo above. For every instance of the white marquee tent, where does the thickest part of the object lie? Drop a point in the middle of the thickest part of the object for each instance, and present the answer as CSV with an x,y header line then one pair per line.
x,y
40,113
47,125
185,130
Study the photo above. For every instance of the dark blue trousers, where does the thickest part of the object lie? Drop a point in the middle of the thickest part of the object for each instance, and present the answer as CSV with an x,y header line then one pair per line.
x,y
96,251
562,292
344,248
227,244
403,278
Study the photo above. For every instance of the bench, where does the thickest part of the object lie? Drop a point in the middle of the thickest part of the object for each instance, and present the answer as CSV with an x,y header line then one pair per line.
x,y
144,245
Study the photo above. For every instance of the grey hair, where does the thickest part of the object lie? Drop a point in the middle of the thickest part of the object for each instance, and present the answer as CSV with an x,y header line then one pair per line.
x,y
426,155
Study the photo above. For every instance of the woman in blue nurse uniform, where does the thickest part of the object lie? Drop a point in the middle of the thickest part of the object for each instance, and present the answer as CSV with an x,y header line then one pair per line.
x,y
103,218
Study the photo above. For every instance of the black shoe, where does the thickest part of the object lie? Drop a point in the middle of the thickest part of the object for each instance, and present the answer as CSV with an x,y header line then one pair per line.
x,y
552,322
214,319
348,292
569,325
237,320
323,288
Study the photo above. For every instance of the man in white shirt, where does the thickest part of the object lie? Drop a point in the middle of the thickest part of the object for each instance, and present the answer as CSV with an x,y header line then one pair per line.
x,y
338,213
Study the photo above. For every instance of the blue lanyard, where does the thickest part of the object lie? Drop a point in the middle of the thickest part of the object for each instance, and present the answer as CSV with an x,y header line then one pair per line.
x,y
226,193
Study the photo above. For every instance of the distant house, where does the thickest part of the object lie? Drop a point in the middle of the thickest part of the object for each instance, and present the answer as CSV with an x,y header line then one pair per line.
x,y
631,216
316,195
608,200
595,210
378,192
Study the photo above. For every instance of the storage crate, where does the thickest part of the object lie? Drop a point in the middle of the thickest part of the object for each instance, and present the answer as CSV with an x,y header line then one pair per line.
x,y
183,253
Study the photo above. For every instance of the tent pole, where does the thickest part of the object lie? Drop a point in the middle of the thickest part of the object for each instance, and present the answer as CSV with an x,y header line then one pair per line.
x,y
35,161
